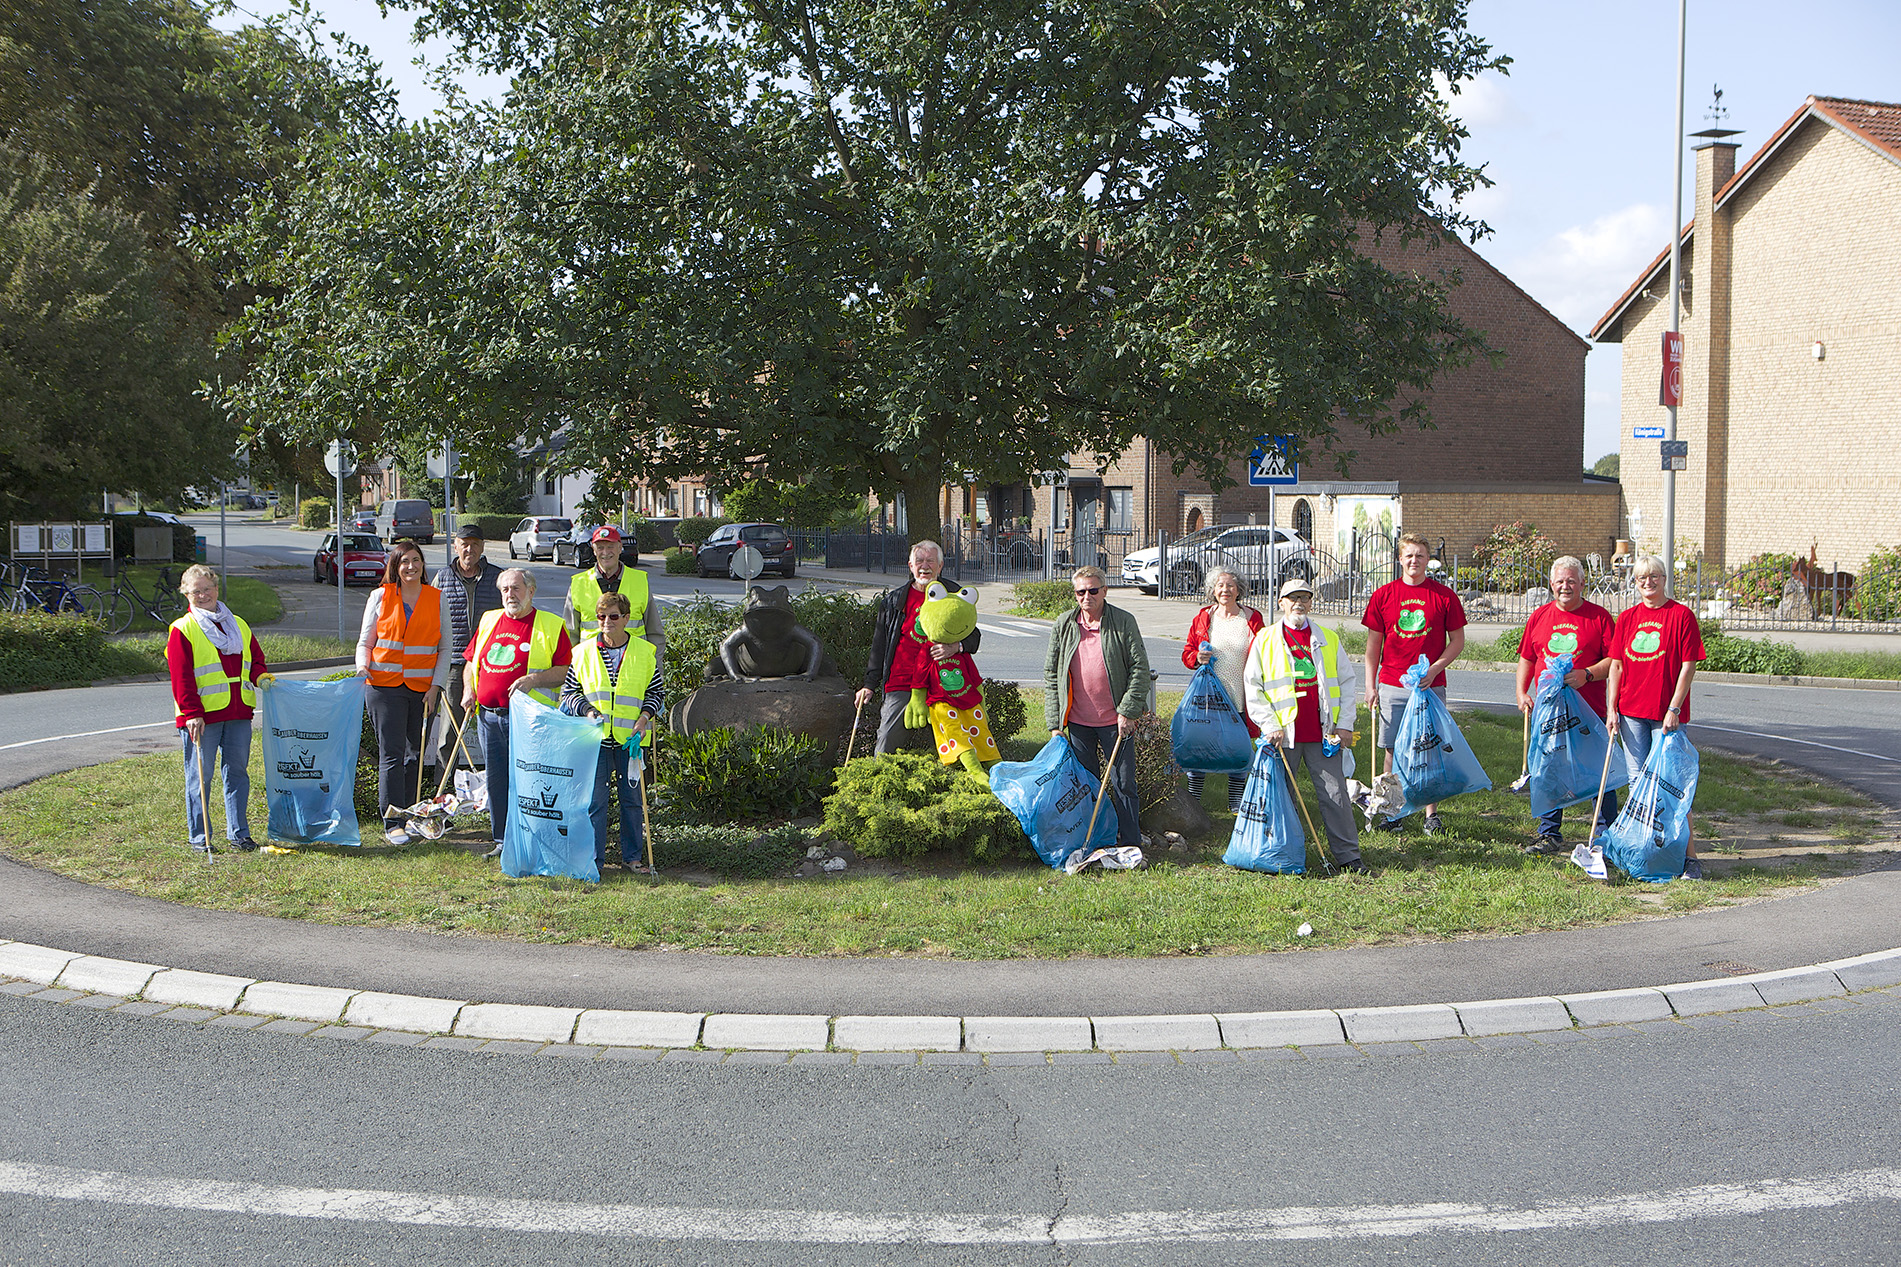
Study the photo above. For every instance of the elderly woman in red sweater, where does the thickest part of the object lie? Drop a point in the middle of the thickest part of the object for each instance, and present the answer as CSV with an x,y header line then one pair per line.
x,y
1228,625
215,663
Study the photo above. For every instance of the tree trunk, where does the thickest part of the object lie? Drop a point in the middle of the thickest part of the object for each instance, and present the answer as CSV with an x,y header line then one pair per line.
x,y
923,519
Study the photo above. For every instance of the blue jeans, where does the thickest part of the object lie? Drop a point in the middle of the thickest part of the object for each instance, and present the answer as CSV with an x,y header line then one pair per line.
x,y
612,780
494,731
231,742
1550,821
1638,733
1092,745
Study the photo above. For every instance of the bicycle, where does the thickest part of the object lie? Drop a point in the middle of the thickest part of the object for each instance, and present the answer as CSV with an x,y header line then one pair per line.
x,y
124,602
36,590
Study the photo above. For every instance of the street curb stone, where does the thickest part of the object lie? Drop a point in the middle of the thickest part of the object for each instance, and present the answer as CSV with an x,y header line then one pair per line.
x,y
1699,998
107,976
1868,972
1416,1023
1617,1007
200,989
1796,985
517,1022
1005,1034
403,1011
1157,1033
299,1002
34,963
1280,1029
755,1032
638,1029
1512,1016
898,1033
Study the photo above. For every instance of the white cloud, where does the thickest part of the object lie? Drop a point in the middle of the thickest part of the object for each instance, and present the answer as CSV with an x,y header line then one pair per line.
x,y
1580,272
1484,102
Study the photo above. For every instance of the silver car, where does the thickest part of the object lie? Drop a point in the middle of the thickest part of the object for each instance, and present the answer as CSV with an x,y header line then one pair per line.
x,y
535,536
1261,556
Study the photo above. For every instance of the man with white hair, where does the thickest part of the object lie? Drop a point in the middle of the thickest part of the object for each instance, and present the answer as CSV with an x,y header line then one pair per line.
x,y
515,649
897,660
1568,625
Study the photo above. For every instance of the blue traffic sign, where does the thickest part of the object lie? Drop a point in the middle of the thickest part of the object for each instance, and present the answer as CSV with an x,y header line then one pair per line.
x,y
1646,433
1272,462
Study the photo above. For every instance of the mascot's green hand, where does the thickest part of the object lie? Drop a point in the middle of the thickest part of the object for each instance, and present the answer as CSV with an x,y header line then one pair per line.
x,y
915,714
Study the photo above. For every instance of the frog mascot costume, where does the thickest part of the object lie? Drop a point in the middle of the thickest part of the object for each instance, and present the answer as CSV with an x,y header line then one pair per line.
x,y
952,697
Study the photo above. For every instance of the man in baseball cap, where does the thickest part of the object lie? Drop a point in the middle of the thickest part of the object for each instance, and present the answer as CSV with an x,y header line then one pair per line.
x,y
608,576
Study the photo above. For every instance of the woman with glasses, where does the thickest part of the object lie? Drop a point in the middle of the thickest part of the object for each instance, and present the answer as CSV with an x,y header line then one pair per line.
x,y
616,680
1095,690
405,647
1655,649
1228,626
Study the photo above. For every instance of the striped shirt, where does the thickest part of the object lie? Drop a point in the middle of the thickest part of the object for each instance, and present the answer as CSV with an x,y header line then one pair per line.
x,y
574,699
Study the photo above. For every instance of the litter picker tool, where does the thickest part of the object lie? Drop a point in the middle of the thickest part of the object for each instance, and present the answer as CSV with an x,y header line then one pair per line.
x,y
1320,840
859,712
1590,854
1523,782
638,778
1102,791
448,772
204,806
428,711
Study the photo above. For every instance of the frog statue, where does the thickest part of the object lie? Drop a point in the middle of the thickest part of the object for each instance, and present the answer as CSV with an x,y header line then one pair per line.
x,y
769,643
951,696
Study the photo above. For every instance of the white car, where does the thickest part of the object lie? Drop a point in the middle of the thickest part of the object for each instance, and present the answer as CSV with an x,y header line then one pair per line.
x,y
535,536
1261,556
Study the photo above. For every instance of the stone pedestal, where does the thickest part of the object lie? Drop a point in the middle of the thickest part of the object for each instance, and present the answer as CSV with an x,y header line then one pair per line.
x,y
821,708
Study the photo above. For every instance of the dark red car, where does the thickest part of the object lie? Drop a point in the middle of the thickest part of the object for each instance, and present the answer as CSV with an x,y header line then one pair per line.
x,y
364,559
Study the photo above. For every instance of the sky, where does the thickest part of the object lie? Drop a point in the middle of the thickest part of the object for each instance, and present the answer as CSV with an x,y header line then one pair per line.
x,y
1576,135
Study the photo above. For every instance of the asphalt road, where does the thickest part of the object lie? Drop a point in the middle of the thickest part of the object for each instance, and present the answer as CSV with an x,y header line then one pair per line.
x,y
1767,1137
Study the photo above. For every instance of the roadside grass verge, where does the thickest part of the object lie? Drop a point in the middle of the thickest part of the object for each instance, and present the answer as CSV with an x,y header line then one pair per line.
x,y
122,826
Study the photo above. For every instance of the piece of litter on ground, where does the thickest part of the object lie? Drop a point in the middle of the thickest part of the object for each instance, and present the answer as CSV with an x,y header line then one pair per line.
x,y
1305,930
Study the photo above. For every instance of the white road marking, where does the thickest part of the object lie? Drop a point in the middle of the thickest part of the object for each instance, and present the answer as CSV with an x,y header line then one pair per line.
x,y
1003,632
834,1227
85,734
1757,734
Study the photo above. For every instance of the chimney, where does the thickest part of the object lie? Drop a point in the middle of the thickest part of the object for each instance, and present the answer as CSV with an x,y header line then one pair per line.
x,y
1704,420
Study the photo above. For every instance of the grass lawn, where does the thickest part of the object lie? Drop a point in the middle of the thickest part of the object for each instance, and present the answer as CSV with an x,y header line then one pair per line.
x,y
1765,827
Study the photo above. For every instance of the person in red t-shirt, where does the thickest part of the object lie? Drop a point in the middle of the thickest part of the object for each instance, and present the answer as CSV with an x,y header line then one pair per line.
x,y
896,663
1405,619
1567,626
1654,653
502,659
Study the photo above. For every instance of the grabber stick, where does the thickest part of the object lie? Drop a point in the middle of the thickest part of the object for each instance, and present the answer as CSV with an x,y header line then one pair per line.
x,y
1103,791
448,771
1523,780
646,816
859,712
204,806
1610,746
428,711
1320,840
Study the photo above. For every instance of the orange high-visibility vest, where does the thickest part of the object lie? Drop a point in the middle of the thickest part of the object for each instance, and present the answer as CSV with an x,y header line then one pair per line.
x,y
405,650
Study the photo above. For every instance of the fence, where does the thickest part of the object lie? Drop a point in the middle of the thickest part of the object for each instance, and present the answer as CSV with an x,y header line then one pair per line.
x,y
979,554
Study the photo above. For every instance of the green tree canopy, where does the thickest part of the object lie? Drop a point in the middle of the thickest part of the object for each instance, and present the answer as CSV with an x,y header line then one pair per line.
x,y
875,244
1606,465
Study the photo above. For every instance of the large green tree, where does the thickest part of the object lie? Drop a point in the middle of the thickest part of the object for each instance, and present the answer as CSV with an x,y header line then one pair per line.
x,y
877,244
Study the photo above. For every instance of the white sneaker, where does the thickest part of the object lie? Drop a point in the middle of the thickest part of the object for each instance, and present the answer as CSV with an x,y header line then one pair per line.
x,y
396,836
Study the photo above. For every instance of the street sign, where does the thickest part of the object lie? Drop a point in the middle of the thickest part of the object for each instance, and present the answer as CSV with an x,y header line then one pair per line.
x,y
1676,455
748,563
340,459
1646,433
442,463
1272,462
1670,388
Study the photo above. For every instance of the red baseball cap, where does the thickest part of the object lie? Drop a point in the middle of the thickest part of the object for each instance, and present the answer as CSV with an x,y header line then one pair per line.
x,y
606,534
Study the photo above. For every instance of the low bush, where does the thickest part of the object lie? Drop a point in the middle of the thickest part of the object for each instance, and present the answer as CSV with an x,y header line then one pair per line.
x,y
647,537
1877,593
1044,598
680,562
1516,549
908,803
747,772
1508,640
1004,703
40,649
697,528
494,527
317,513
1759,581
1747,655
1156,773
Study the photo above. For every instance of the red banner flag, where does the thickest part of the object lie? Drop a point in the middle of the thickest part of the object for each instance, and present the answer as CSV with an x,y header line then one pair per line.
x,y
1670,389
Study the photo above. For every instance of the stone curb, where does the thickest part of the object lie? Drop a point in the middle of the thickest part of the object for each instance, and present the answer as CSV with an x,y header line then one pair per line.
x,y
336,1012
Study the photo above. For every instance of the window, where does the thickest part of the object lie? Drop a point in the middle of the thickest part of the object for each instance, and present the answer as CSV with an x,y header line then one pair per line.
x,y
699,501
1121,510
1029,503
1304,519
547,486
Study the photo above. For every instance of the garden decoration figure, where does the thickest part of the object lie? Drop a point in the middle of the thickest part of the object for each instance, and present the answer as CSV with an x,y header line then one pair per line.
x,y
952,698
770,642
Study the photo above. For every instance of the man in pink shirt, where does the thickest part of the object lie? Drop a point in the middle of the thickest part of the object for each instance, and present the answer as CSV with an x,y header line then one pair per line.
x,y
1095,689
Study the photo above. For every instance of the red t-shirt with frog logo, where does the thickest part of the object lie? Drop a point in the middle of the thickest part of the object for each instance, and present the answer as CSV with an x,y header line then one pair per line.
x,y
1654,643
1415,620
1584,635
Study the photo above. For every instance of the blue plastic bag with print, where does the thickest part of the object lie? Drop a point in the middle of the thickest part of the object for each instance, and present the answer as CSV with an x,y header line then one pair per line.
x,y
1267,833
1207,732
1053,795
552,763
1651,837
1568,745
1430,756
312,731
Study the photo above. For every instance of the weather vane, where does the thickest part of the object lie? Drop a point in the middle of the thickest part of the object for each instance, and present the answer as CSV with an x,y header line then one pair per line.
x,y
1716,111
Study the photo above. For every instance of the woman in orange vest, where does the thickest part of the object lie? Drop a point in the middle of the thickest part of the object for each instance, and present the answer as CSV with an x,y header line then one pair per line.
x,y
404,648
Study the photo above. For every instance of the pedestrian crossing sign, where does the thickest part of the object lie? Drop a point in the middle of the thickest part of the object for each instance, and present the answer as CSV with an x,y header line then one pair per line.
x,y
1272,462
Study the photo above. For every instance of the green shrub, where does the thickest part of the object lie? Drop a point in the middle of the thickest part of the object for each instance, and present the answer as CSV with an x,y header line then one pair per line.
x,y
697,528
317,513
1759,581
746,772
38,648
647,537
741,852
1516,549
696,627
908,803
1004,703
1877,593
1156,773
1508,640
1747,655
494,527
680,562
1044,598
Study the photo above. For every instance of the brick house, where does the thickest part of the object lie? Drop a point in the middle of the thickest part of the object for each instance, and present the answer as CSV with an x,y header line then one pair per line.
x,y
1508,443
1791,329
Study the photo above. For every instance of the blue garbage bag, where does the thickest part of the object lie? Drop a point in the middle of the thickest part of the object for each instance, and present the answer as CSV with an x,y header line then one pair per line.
x,y
1568,745
312,731
1267,831
1651,838
1052,795
1207,732
552,763
1430,756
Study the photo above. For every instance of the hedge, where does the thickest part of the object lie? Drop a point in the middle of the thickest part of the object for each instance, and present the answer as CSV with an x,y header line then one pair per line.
x,y
316,513
41,649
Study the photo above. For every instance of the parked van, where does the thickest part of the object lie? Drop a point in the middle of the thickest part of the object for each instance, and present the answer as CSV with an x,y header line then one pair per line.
x,y
406,517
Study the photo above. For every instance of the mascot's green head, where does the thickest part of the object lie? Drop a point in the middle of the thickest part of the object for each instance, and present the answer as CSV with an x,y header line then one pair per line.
x,y
948,615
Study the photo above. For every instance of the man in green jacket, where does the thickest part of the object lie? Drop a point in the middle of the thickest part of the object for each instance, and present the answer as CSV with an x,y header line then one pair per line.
x,y
1095,689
